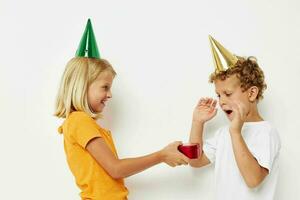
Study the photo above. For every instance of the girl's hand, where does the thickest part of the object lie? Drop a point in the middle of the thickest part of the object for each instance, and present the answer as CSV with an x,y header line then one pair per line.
x,y
205,110
239,117
171,155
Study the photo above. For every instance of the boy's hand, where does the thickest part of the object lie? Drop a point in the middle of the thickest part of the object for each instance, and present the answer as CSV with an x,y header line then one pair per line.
x,y
239,117
172,156
205,110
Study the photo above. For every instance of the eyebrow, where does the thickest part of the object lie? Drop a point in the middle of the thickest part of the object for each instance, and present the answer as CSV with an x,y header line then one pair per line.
x,y
224,91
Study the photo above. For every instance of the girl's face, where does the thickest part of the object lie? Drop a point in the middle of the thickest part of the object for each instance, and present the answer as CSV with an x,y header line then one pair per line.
x,y
100,91
229,92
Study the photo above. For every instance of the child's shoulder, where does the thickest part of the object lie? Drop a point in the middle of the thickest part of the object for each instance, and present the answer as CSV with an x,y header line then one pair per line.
x,y
258,125
262,128
80,118
79,115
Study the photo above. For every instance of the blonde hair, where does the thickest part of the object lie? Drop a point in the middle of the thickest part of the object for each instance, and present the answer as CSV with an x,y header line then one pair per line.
x,y
79,73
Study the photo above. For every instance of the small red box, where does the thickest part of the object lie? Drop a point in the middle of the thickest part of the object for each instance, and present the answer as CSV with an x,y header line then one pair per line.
x,y
190,150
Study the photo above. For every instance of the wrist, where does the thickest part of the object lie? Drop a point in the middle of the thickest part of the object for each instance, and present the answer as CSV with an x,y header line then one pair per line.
x,y
235,131
235,137
198,122
161,155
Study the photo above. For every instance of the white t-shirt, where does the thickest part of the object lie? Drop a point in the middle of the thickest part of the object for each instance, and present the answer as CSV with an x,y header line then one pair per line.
x,y
263,142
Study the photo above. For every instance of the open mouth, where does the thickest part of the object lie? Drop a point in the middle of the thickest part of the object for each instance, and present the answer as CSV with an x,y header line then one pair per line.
x,y
228,112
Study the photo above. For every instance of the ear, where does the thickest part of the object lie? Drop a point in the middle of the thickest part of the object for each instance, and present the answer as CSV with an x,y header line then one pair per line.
x,y
252,93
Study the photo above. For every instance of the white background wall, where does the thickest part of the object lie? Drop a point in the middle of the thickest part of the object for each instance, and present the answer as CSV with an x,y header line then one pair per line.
x,y
161,53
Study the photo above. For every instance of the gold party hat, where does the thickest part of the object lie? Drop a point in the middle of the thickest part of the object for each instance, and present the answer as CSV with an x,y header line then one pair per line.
x,y
217,49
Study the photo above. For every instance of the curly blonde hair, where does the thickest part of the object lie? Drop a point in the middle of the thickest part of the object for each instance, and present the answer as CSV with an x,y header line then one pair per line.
x,y
247,71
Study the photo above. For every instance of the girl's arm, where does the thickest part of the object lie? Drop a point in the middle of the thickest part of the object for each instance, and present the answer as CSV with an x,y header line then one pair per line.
x,y
121,168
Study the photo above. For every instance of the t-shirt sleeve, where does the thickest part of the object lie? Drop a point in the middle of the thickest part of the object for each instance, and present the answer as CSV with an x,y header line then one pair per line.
x,y
266,147
210,147
86,129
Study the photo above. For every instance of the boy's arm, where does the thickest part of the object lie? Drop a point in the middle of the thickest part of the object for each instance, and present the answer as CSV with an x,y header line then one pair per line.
x,y
196,137
203,112
121,168
250,169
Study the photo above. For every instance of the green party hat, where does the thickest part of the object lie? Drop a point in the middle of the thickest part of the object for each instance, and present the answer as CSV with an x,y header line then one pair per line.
x,y
88,44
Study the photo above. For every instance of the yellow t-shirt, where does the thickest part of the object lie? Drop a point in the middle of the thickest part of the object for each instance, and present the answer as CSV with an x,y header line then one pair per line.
x,y
95,183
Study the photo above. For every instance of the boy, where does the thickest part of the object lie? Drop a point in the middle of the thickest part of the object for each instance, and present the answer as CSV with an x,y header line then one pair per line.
x,y
246,152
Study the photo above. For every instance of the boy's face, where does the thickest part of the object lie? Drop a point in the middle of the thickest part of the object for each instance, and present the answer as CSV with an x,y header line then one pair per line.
x,y
229,92
100,91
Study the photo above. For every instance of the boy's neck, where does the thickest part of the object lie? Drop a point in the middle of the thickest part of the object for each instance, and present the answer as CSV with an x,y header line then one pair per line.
x,y
253,115
254,119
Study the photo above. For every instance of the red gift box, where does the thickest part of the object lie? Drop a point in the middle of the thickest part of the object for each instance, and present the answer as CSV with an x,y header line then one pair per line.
x,y
190,150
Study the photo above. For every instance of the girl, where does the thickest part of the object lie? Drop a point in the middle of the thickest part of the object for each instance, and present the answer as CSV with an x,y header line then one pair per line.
x,y
91,155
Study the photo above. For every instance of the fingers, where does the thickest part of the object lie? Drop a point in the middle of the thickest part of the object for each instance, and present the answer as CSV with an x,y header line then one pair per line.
x,y
181,159
176,144
185,160
178,162
201,102
207,101
214,103
234,106
171,164
242,109
213,106
239,110
182,162
175,157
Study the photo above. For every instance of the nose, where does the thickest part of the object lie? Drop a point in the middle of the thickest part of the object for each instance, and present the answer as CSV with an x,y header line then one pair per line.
x,y
109,94
222,101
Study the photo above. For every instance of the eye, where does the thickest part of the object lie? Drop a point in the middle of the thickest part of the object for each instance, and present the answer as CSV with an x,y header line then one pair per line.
x,y
106,87
218,95
228,94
